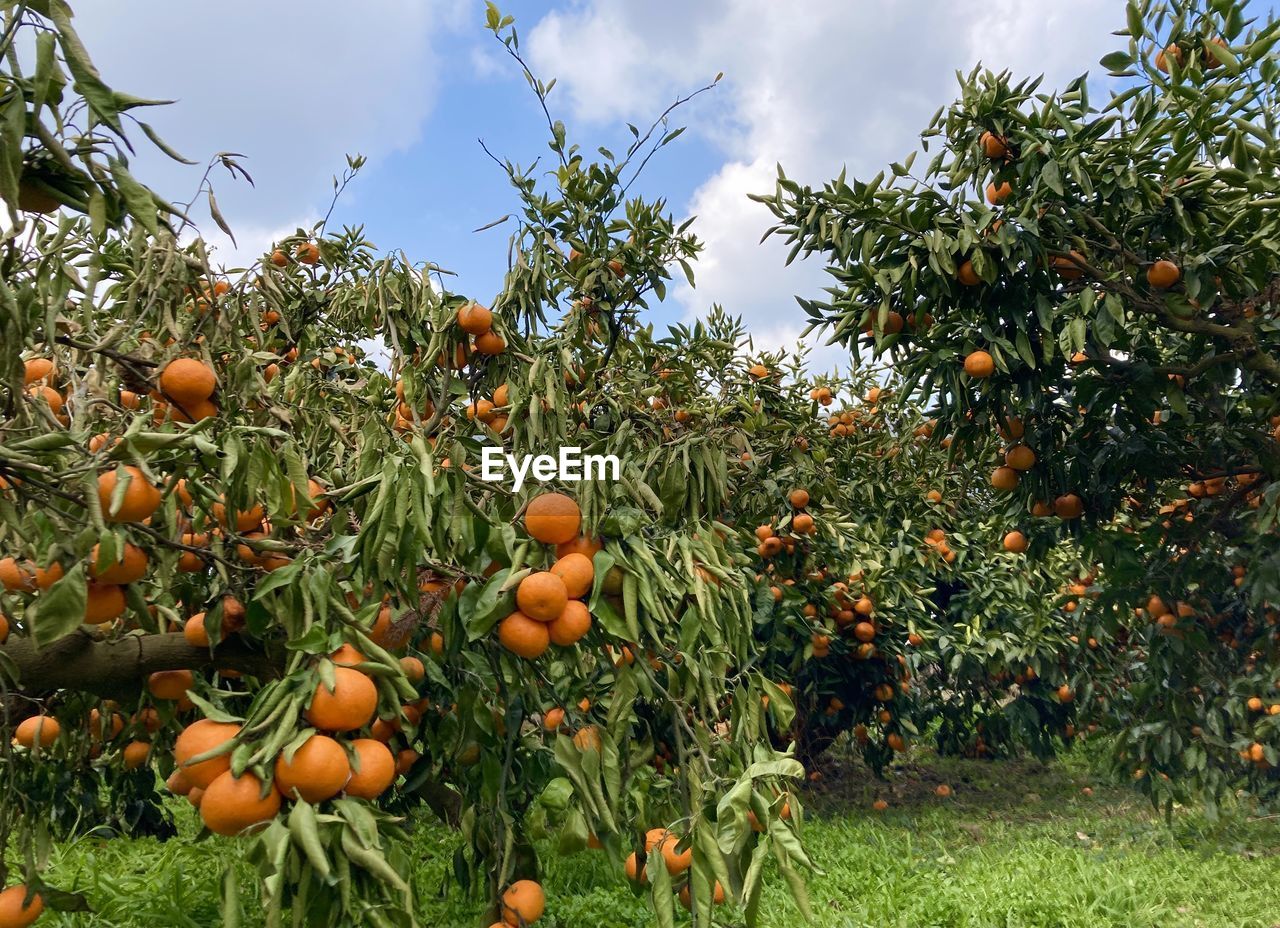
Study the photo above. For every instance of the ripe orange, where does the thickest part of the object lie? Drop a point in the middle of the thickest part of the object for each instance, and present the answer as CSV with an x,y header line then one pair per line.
x,y
967,275
140,499
634,872
1163,274
170,684
803,524
187,381
38,728
374,769
4,628
1068,506
413,669
474,319
15,576
997,195
52,397
524,636
799,499
542,596
104,602
1004,479
200,738
677,861
864,631
135,754
1068,266
36,370
1065,694
490,344
231,804
979,365
15,911
552,518
553,719
993,146
879,805
587,738
246,519
571,625
194,631
717,896
581,545
523,903
577,572
1020,457
943,790
1015,542
348,706
279,258
1163,56
318,770
308,253
130,567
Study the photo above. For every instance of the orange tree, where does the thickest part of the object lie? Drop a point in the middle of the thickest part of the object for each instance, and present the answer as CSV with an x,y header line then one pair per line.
x,y
247,543
1098,283
887,596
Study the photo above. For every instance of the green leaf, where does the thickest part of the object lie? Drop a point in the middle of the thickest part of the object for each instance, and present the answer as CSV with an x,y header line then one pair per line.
x,y
60,610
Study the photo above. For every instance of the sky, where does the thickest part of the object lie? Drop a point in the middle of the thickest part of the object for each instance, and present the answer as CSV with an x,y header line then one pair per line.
x,y
415,84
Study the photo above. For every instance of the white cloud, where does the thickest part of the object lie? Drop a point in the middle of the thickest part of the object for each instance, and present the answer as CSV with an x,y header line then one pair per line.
x,y
811,86
292,87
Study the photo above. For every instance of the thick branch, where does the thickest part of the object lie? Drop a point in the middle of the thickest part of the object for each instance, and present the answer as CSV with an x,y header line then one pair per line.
x,y
120,666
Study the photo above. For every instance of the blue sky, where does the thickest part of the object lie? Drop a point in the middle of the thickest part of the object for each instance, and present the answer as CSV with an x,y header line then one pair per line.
x,y
412,84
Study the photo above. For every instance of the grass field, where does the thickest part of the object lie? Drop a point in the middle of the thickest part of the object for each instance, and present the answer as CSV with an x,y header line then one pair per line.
x,y
1018,845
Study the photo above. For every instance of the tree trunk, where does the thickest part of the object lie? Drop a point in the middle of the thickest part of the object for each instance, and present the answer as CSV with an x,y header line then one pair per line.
x,y
119,667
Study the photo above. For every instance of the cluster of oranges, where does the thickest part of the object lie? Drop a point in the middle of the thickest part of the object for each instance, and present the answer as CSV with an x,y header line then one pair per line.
x,y
550,607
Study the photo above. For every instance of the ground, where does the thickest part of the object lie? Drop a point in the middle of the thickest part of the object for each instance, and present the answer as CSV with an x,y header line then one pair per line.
x,y
1018,845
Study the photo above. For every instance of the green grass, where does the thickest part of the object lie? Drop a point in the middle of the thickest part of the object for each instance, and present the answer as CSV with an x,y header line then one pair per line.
x,y
1017,846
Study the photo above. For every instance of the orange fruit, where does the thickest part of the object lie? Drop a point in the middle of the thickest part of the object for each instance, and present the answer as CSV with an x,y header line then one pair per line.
x,y
1163,274
943,790
104,602
717,896
1068,506
1015,542
170,684
571,625
580,545
139,502
246,519
129,568
135,754
524,636
997,195
502,396
4,628
1004,478
1020,457
1068,266
413,669
308,253
348,706
577,572
15,576
967,275
1065,694
803,524
634,872
373,771
552,518
879,805
15,911
35,370
490,344
587,738
187,381
553,719
799,498
43,729
200,738
194,631
474,319
318,770
979,364
231,804
52,397
523,903
677,861
542,596
993,146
